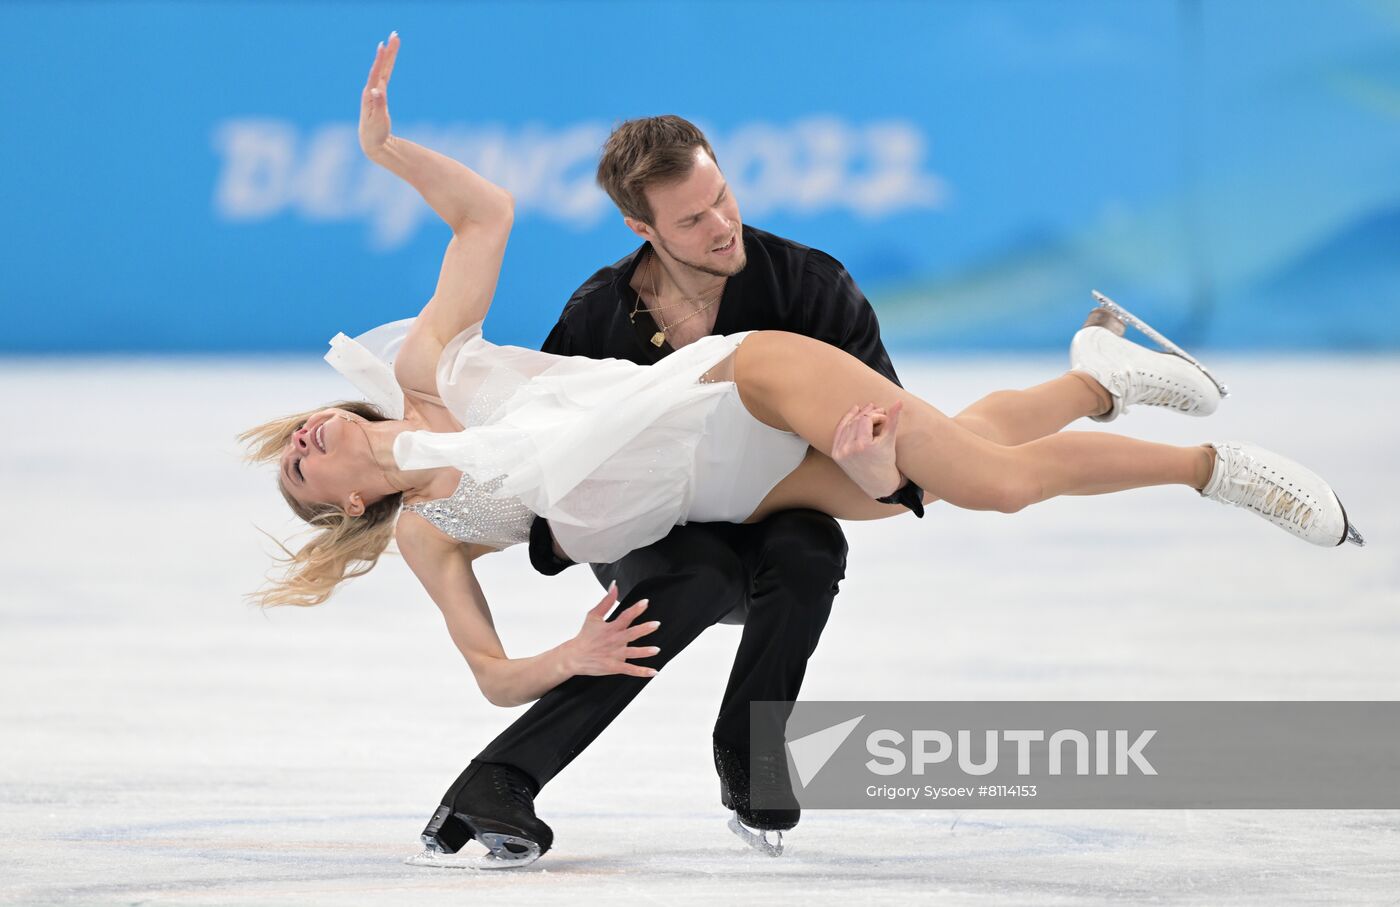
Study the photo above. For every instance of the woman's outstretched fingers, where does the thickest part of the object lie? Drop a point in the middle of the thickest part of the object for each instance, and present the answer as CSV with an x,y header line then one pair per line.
x,y
635,611
637,632
373,68
383,67
603,646
631,633
601,609
391,53
374,102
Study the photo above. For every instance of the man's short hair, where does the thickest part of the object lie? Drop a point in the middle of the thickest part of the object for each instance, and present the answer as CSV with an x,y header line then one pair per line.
x,y
649,151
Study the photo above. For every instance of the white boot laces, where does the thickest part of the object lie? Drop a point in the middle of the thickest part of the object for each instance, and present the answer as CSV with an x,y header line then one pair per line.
x,y
1169,397
1248,486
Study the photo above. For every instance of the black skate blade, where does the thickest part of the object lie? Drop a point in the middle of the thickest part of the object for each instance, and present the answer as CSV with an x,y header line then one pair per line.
x,y
756,839
1122,314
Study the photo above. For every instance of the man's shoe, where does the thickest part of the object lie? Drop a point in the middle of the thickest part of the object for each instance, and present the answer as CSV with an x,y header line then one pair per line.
x,y
1288,495
495,804
1136,376
772,785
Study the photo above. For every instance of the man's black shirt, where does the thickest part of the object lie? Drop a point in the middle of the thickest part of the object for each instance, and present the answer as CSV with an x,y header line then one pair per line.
x,y
785,286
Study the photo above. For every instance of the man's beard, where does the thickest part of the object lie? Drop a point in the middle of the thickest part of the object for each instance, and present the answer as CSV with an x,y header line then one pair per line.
x,y
740,260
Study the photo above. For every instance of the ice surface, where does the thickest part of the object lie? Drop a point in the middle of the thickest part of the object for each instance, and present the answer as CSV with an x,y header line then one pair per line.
x,y
162,742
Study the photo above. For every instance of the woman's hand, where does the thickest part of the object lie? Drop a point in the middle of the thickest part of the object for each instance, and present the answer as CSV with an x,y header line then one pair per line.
x,y
864,448
374,101
603,646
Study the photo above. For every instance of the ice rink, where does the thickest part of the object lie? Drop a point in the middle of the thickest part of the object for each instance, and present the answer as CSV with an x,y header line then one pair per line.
x,y
166,743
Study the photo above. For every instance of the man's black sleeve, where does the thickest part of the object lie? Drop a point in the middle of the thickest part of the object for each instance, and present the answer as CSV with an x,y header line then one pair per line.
x,y
838,313
560,340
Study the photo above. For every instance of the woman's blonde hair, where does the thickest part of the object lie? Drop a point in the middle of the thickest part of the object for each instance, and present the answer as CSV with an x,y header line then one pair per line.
x,y
345,546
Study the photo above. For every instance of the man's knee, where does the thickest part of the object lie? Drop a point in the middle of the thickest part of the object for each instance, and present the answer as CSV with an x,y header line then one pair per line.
x,y
805,550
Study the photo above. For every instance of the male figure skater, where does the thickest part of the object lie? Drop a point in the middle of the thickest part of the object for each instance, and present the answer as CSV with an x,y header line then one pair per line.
x,y
699,271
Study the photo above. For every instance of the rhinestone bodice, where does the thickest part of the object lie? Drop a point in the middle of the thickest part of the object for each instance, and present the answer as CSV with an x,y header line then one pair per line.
x,y
472,515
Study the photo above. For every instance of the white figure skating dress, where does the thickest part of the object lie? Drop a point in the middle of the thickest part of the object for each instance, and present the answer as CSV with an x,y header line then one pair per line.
x,y
613,454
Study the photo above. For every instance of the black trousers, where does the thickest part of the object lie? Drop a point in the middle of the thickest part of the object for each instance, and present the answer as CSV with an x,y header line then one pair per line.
x,y
781,574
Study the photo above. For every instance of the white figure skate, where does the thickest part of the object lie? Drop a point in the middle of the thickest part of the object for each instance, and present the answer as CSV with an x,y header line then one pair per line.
x,y
1134,375
1288,495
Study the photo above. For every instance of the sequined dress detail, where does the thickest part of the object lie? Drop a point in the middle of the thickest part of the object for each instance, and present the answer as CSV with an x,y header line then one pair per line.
x,y
473,514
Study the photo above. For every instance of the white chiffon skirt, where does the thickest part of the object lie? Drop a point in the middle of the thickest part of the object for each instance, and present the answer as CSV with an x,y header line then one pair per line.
x,y
612,453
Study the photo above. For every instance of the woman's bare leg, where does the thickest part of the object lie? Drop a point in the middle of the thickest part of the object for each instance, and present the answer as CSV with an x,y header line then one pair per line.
x,y
1012,417
802,385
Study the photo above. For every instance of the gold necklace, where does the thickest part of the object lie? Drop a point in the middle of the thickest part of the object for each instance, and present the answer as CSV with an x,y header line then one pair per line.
x,y
659,338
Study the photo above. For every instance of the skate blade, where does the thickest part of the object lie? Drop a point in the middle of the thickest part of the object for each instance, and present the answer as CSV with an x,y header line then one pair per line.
x,y
1352,534
1124,315
502,855
758,840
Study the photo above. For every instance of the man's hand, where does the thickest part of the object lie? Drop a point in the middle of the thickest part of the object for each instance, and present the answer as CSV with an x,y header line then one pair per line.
x,y
374,100
603,646
864,448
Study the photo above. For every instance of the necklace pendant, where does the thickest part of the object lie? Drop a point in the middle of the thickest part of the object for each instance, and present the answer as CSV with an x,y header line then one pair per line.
x,y
658,339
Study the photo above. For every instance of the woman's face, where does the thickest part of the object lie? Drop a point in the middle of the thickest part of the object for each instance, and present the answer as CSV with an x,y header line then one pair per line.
x,y
327,460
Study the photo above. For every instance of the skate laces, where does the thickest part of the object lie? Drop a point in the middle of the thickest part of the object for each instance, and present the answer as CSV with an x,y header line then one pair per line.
x,y
513,789
1162,395
772,768
1245,485
771,779
1136,375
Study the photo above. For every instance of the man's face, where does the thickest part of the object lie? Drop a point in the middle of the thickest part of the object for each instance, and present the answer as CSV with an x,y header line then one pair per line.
x,y
696,220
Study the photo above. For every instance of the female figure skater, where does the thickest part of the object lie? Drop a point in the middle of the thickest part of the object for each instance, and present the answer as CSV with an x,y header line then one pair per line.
x,y
471,440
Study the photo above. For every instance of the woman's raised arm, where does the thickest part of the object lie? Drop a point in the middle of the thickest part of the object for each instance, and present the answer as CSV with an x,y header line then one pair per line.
x,y
479,212
459,195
